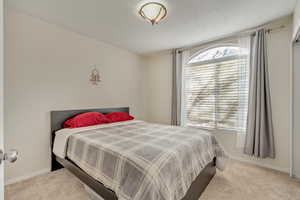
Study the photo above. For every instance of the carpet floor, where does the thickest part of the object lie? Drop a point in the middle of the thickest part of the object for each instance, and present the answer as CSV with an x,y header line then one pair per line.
x,y
238,182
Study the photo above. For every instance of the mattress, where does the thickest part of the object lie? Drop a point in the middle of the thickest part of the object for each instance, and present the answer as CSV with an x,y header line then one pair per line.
x,y
140,160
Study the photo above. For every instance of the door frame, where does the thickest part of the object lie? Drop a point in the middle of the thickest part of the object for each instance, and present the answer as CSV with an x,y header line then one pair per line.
x,y
294,42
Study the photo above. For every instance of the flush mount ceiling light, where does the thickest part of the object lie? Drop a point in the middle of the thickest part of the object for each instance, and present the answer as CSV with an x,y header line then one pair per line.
x,y
153,12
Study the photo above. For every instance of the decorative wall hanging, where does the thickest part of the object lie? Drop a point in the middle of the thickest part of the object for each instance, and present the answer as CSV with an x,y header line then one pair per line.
x,y
95,77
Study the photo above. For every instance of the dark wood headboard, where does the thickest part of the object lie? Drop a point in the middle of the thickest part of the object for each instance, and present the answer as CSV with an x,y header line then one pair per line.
x,y
59,117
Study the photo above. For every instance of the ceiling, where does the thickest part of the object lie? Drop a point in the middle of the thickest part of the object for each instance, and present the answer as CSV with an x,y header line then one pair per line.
x,y
188,22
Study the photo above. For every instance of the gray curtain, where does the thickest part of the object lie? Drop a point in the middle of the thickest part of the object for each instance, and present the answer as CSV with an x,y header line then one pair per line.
x,y
176,88
259,138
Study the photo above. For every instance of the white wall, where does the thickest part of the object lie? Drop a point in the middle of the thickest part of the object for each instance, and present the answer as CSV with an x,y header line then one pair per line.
x,y
47,68
159,67
158,84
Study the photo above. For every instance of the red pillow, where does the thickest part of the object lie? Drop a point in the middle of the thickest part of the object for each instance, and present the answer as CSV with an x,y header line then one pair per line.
x,y
86,119
119,116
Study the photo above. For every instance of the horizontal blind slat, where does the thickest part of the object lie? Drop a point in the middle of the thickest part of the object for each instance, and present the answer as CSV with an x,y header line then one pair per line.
x,y
215,90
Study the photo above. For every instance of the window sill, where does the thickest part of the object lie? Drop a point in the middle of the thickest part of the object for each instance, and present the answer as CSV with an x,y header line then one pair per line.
x,y
217,131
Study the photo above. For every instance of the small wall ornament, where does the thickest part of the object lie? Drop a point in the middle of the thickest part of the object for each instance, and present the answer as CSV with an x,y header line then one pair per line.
x,y
95,77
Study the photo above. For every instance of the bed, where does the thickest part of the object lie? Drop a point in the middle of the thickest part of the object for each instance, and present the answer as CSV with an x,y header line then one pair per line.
x,y
134,160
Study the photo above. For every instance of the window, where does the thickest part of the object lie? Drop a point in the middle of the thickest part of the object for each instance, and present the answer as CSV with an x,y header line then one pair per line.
x,y
216,88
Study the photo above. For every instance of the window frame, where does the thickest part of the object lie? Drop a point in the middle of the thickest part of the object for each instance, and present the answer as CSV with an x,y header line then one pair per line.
x,y
211,61
202,50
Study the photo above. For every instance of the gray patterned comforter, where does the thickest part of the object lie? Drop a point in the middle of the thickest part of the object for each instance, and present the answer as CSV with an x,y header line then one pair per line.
x,y
143,161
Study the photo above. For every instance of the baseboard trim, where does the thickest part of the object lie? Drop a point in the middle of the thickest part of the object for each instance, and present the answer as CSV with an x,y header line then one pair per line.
x,y
296,174
251,162
25,177
255,163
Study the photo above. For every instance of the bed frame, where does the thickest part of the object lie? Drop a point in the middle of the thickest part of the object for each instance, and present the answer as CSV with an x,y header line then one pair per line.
x,y
57,120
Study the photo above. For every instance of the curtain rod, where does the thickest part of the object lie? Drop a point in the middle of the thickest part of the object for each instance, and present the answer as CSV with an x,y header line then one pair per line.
x,y
236,34
270,30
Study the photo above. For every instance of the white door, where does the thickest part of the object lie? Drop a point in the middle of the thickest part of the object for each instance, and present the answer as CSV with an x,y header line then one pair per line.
x,y
1,101
296,111
10,156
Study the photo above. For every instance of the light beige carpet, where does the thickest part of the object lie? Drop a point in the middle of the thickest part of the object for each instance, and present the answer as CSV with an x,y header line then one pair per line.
x,y
238,182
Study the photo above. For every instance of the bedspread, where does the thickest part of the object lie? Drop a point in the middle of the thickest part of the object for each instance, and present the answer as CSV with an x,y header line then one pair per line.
x,y
144,161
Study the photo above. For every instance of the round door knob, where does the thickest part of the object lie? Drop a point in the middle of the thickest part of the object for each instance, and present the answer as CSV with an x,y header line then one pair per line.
x,y
11,155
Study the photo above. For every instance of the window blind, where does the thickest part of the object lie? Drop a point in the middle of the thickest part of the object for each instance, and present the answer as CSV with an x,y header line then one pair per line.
x,y
216,93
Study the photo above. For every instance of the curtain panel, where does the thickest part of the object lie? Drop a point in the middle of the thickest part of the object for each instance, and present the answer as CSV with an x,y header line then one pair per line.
x,y
176,88
259,138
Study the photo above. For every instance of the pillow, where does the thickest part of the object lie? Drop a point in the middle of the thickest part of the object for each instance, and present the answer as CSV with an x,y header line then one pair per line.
x,y
86,119
119,116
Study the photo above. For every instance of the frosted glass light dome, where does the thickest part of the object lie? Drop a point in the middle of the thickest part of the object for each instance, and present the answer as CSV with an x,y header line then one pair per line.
x,y
153,12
